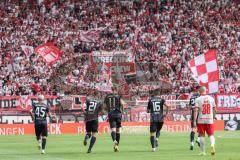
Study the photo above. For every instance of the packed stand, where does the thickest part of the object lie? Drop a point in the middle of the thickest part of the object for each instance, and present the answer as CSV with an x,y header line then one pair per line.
x,y
163,35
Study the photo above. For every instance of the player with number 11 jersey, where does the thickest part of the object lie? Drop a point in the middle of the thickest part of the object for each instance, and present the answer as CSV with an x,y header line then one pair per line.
x,y
114,106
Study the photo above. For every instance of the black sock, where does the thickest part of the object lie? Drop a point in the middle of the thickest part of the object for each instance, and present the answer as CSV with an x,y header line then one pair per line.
x,y
157,134
44,143
192,134
93,140
38,138
113,134
152,140
118,137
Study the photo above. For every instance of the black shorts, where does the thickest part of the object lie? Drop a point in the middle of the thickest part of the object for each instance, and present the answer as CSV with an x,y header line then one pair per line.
x,y
156,126
92,126
41,129
115,122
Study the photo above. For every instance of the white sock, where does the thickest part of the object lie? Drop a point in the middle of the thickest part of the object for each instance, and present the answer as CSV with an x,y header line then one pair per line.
x,y
212,141
198,139
192,143
202,144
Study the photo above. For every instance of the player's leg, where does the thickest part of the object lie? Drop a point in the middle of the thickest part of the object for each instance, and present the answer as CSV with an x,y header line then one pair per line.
x,y
210,132
38,135
113,126
94,132
198,141
92,142
118,134
44,141
153,129
201,132
88,126
44,137
118,129
192,134
158,132
87,136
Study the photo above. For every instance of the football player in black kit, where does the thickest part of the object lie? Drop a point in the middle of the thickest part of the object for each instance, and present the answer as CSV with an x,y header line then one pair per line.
x,y
191,106
93,108
114,105
39,113
157,114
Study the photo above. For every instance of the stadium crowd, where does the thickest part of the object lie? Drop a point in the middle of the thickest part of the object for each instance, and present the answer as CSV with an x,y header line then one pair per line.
x,y
166,32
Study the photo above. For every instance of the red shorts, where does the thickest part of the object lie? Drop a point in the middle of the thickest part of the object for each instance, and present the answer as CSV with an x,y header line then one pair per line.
x,y
202,128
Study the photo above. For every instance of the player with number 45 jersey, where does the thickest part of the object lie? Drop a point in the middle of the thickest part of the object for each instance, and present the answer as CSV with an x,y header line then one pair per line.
x,y
156,110
93,108
39,113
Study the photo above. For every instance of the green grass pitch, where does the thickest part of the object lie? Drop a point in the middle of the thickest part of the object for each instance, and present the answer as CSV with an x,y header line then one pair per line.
x,y
172,146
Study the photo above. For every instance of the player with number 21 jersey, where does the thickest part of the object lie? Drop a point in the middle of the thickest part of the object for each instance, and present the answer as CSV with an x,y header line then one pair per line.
x,y
93,108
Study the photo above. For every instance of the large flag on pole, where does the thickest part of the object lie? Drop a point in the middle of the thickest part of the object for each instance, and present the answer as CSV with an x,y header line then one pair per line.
x,y
205,70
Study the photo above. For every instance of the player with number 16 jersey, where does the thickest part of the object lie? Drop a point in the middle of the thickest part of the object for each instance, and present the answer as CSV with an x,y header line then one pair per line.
x,y
156,110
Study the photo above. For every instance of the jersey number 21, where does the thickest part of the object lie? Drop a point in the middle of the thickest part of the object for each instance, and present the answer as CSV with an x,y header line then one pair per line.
x,y
92,106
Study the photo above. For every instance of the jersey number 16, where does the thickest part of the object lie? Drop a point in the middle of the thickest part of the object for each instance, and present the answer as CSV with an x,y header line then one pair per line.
x,y
156,106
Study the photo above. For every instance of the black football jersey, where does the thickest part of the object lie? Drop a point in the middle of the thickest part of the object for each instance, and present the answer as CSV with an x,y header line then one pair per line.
x,y
40,111
93,107
192,100
155,106
113,103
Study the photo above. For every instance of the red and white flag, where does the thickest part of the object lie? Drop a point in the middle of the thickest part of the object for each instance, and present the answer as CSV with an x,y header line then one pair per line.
x,y
49,52
28,50
205,70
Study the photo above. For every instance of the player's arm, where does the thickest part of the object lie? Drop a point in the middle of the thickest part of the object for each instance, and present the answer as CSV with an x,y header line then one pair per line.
x,y
149,107
105,107
83,108
167,109
214,108
122,104
32,114
49,114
